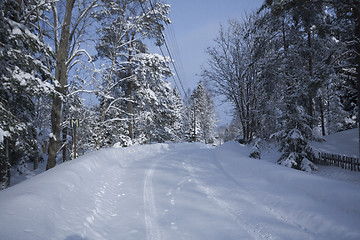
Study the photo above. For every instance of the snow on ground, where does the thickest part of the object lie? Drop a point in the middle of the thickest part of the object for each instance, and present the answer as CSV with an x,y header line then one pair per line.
x,y
178,191
343,143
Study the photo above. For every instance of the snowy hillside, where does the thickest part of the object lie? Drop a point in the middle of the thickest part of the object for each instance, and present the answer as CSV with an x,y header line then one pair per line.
x,y
345,143
178,191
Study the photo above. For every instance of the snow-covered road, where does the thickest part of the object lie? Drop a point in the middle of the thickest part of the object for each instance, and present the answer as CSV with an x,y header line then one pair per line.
x,y
178,191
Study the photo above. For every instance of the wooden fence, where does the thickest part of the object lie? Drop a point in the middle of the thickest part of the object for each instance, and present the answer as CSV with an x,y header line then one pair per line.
x,y
351,163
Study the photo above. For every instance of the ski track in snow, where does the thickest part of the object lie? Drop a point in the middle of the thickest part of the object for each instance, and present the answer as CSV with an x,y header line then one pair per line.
x,y
150,214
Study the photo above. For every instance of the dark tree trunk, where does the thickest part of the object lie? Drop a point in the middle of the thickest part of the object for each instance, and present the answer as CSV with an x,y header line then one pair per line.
x,y
311,90
322,116
64,144
5,165
61,76
130,91
130,110
194,124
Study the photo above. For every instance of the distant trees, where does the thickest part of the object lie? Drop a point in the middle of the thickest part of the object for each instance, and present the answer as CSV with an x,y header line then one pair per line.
x,y
233,70
290,72
200,116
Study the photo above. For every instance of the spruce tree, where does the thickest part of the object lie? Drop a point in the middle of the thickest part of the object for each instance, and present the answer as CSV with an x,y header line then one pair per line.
x,y
200,116
24,77
125,26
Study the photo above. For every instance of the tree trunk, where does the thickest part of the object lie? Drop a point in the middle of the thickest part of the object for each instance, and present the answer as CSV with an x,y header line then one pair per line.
x,y
61,77
64,144
310,93
284,36
130,110
322,116
193,137
5,166
129,91
55,130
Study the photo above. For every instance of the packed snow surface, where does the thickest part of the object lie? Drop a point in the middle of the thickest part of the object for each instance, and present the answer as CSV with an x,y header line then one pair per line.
x,y
178,191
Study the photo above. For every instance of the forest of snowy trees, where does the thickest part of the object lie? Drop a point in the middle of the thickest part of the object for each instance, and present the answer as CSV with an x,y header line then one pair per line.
x,y
290,70
53,54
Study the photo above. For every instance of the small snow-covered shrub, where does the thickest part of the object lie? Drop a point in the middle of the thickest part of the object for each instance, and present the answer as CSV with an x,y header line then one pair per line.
x,y
290,161
308,166
296,161
125,141
256,149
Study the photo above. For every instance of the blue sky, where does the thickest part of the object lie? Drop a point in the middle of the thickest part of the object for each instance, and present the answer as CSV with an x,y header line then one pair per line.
x,y
195,24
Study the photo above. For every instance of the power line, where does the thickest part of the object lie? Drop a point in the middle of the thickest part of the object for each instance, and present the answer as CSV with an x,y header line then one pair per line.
x,y
168,50
175,45
162,52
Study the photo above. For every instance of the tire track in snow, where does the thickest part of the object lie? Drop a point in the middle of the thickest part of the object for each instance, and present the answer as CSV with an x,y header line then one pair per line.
x,y
150,214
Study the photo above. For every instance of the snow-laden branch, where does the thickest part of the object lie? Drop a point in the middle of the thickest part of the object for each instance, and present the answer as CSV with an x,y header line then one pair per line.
x,y
116,100
82,91
77,53
84,13
56,27
26,16
119,119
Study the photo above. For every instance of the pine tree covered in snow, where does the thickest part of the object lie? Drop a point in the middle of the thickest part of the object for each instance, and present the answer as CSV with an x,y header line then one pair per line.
x,y
152,99
133,95
328,33
23,79
200,116
177,107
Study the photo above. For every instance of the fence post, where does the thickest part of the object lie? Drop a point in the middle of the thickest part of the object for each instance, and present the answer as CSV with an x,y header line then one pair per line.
x,y
345,162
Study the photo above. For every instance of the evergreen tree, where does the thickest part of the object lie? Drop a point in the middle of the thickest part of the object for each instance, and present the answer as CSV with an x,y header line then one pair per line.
x,y
152,99
125,25
200,116
23,79
324,43
177,107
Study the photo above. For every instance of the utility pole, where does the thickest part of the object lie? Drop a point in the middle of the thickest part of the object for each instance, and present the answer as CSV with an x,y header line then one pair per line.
x,y
74,124
74,142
